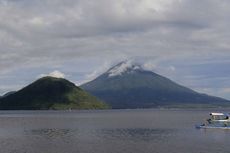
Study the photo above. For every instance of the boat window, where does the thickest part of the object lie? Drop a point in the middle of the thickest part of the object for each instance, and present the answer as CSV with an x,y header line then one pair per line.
x,y
219,117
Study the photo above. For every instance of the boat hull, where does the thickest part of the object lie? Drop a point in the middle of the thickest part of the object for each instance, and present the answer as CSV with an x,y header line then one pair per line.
x,y
212,127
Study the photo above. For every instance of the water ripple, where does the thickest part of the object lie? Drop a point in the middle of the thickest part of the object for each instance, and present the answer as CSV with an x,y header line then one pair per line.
x,y
51,133
135,134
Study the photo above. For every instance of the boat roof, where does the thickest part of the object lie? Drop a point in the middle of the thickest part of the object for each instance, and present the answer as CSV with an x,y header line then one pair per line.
x,y
218,114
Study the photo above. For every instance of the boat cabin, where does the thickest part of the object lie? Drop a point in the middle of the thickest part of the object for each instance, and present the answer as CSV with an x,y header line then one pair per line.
x,y
219,116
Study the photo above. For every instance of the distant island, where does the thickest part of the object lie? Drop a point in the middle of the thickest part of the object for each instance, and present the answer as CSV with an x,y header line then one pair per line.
x,y
130,86
50,93
123,86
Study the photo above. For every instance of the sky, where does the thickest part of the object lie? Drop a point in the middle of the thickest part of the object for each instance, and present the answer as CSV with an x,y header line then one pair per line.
x,y
187,41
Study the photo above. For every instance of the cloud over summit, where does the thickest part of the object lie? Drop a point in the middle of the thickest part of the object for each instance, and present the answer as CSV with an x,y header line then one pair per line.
x,y
55,73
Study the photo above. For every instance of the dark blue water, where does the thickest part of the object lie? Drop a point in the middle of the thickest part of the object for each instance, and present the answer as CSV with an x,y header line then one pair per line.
x,y
111,131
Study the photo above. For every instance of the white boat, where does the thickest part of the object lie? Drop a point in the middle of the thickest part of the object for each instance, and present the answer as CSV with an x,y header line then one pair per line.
x,y
216,121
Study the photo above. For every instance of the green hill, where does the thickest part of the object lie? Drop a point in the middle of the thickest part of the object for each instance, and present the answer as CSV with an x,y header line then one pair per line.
x,y
50,93
130,86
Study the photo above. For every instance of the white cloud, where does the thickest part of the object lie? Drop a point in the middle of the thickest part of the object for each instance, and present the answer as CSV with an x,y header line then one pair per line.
x,y
149,66
172,68
121,68
56,74
37,21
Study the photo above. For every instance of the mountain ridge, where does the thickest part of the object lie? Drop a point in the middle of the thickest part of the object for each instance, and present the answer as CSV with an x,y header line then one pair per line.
x,y
51,93
128,85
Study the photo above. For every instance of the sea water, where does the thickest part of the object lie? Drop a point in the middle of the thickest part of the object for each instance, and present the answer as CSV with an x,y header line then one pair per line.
x,y
110,131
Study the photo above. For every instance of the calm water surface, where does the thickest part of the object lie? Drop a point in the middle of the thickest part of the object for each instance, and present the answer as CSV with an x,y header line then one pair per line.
x,y
111,131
